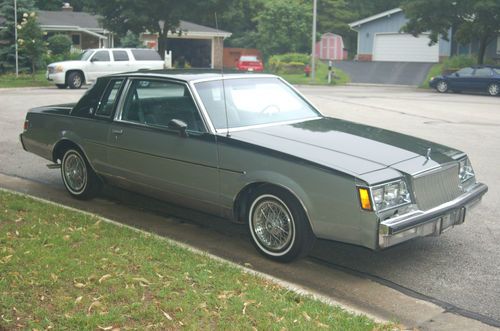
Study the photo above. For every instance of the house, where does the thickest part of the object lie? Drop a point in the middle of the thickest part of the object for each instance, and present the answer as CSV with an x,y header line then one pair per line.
x,y
380,39
197,45
84,29
192,44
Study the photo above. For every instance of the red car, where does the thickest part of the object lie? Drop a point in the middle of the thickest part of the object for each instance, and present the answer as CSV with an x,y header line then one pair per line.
x,y
249,63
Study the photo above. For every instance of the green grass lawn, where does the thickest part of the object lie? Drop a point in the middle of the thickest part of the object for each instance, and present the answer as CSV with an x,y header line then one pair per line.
x,y
340,77
62,269
24,80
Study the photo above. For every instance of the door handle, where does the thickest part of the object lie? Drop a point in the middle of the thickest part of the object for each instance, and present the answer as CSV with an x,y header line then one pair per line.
x,y
117,131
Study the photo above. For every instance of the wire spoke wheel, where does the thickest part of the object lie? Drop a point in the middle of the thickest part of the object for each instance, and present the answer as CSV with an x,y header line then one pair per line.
x,y
78,176
75,172
273,224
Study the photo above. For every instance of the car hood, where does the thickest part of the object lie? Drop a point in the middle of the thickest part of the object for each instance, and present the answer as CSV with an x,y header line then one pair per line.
x,y
72,64
349,147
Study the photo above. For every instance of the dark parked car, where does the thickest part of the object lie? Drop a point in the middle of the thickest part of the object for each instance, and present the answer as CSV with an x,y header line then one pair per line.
x,y
250,148
476,79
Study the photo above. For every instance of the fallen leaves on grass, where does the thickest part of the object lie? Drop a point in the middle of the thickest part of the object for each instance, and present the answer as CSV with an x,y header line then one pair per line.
x,y
103,278
167,315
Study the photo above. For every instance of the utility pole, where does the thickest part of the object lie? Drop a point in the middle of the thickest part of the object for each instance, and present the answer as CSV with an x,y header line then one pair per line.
x,y
313,56
15,37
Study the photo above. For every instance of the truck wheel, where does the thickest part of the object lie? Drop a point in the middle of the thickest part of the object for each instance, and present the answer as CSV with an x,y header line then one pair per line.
x,y
278,225
61,86
75,80
78,177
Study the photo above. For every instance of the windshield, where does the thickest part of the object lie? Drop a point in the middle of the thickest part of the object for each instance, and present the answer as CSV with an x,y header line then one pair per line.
x,y
86,55
252,101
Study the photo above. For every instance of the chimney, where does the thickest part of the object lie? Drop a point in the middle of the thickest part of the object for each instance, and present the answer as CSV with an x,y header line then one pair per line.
x,y
66,7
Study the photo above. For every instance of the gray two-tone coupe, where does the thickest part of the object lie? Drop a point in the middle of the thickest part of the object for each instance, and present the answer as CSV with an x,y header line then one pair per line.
x,y
250,148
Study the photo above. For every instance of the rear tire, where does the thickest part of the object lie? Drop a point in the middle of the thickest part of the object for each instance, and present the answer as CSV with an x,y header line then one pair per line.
x,y
442,86
80,180
75,80
494,89
278,224
61,86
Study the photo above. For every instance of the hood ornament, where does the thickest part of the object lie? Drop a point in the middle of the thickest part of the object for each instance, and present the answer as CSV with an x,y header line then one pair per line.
x,y
428,155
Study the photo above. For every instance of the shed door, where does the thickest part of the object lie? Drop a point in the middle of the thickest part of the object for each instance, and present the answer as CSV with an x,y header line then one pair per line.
x,y
399,47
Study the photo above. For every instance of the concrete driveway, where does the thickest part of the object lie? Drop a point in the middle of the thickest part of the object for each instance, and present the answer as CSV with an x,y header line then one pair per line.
x,y
459,270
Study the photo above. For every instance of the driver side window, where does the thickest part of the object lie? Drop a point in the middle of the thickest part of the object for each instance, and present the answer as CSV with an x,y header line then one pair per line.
x,y
156,103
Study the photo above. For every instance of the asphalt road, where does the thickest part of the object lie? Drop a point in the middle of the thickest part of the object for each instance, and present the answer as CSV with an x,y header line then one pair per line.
x,y
462,267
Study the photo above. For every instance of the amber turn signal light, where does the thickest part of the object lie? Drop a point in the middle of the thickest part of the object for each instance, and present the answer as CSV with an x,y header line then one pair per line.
x,y
364,198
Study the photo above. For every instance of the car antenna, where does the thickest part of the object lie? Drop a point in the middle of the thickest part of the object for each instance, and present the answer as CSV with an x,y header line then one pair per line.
x,y
223,85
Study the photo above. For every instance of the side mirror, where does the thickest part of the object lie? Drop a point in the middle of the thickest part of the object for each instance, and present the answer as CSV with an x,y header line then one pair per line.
x,y
457,74
94,59
180,126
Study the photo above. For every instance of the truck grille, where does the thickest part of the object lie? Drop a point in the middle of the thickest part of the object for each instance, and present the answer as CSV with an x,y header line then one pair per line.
x,y
436,187
50,70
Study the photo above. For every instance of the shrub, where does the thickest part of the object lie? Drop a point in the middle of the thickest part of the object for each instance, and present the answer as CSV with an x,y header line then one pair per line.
x,y
292,68
59,44
283,62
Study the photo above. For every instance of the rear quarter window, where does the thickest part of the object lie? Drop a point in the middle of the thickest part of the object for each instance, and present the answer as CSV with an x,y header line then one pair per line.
x,y
146,55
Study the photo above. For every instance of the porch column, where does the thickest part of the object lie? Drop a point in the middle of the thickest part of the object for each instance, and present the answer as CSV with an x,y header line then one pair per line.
x,y
217,52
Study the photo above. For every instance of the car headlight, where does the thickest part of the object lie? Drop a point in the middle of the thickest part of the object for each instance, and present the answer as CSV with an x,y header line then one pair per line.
x,y
59,68
466,172
389,195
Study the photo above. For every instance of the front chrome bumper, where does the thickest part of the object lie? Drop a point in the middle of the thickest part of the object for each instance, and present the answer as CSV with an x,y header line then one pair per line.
x,y
434,221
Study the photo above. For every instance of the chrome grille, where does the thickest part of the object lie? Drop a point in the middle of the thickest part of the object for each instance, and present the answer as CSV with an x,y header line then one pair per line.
x,y
436,187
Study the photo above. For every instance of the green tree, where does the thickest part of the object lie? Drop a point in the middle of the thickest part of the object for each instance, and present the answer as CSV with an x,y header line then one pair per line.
x,y
235,16
59,44
131,40
7,51
284,26
141,15
469,20
30,39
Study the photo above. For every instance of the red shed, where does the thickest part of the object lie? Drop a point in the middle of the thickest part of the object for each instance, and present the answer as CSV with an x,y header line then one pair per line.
x,y
331,47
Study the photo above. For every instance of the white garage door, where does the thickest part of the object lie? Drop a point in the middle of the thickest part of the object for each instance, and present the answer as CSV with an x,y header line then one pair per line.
x,y
401,47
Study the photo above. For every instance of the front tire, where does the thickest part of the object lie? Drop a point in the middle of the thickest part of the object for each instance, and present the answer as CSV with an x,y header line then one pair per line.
x,y
75,80
78,177
442,86
278,225
494,89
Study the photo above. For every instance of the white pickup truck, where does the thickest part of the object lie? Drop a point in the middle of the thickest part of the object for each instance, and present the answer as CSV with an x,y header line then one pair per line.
x,y
99,62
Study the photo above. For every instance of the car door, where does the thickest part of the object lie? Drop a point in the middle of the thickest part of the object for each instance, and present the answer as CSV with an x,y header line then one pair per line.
x,y
461,80
145,155
121,61
482,78
100,65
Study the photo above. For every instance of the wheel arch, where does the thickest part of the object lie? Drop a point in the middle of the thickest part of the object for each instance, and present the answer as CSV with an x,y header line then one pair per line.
x,y
241,201
75,70
63,145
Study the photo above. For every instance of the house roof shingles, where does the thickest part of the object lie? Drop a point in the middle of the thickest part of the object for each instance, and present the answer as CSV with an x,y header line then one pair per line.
x,y
67,18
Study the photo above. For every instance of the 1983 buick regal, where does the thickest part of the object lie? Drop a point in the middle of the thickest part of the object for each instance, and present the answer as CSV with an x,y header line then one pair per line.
x,y
252,149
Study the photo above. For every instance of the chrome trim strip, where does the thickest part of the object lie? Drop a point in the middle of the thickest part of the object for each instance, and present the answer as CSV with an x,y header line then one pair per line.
x,y
404,222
